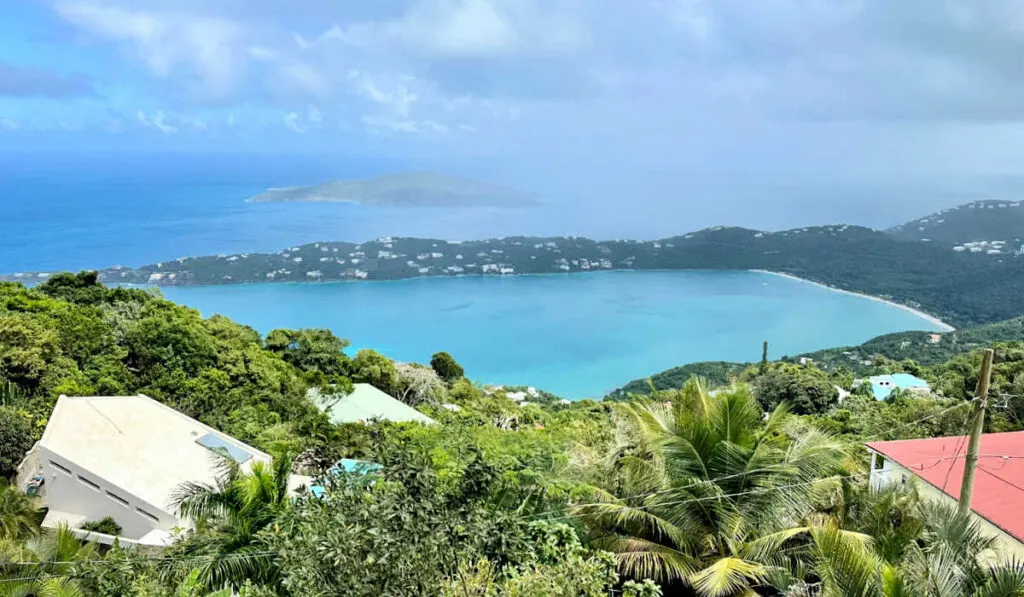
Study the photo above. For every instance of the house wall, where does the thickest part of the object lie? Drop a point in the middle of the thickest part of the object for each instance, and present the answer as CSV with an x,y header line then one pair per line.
x,y
70,488
892,473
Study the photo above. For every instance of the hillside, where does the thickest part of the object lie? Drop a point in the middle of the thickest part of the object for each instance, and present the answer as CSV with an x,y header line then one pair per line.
x,y
982,227
964,287
415,189
870,358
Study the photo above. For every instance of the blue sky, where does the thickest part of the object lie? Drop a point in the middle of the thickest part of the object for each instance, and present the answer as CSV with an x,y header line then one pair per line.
x,y
828,88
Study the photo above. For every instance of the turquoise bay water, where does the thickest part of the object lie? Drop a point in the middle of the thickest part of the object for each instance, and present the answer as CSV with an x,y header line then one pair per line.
x,y
578,335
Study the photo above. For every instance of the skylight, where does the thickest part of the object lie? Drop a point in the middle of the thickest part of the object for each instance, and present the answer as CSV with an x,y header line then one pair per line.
x,y
216,443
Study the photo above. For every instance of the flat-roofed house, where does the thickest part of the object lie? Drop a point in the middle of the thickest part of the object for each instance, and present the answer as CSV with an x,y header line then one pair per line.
x,y
936,465
125,457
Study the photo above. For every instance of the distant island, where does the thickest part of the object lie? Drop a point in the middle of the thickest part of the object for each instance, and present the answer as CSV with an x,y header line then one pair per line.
x,y
974,277
415,189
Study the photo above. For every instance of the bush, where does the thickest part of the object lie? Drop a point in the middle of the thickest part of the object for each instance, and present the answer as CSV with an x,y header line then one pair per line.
x,y
107,526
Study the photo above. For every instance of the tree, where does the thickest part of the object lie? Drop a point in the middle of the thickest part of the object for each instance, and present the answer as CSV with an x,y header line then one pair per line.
x,y
19,514
419,384
445,366
404,533
16,438
41,566
229,515
951,556
26,347
806,390
373,368
696,501
310,350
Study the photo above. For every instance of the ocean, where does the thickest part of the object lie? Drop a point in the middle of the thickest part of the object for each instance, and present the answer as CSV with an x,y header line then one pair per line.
x,y
574,335
578,335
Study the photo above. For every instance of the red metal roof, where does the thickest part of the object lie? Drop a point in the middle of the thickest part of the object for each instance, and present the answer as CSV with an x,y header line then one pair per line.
x,y
998,483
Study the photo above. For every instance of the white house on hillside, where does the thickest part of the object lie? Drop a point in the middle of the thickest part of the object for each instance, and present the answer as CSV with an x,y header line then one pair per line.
x,y
124,457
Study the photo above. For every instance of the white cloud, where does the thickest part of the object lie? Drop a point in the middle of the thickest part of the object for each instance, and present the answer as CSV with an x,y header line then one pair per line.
x,y
291,120
157,121
377,124
399,99
168,44
466,29
8,125
262,54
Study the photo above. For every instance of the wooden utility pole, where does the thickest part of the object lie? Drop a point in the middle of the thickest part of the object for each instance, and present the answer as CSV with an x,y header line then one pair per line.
x,y
977,423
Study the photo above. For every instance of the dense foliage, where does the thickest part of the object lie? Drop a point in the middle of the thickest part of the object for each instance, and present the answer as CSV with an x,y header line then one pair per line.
x,y
687,491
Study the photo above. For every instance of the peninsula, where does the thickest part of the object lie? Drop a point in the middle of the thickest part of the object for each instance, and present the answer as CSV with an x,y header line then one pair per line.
x,y
973,279
414,189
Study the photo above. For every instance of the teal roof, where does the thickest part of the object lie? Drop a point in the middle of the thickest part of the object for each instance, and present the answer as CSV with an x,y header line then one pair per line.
x,y
367,402
884,385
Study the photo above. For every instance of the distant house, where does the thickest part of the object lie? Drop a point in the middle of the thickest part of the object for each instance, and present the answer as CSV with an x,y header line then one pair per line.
x,y
124,457
936,465
882,386
367,402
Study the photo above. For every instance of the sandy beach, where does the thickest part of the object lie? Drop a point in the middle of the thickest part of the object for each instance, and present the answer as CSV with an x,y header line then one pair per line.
x,y
931,318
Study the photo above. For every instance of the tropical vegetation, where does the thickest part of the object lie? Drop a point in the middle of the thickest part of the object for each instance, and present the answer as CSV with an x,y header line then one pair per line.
x,y
753,483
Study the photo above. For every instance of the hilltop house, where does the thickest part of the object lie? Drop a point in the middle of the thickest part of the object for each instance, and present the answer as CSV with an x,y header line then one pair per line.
x,y
936,465
124,457
882,386
366,403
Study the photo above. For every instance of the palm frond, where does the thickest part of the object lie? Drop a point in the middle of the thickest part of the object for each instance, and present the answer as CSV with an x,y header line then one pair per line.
x,y
640,559
728,576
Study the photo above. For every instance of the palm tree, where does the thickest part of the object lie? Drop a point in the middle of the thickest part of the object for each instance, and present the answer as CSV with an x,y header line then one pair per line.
x,y
951,557
228,516
711,490
19,513
42,565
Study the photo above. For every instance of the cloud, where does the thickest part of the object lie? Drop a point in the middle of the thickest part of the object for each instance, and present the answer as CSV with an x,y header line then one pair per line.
x,y
26,81
8,125
376,124
291,121
156,121
204,50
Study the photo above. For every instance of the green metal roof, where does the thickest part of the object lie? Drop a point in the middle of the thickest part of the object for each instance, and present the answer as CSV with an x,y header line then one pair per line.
x,y
367,402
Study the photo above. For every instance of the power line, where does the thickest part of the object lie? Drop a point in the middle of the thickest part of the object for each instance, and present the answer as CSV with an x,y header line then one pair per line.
x,y
705,498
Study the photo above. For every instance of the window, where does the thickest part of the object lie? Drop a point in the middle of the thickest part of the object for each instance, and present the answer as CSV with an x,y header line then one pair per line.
x,y
61,468
88,482
117,499
218,444
147,515
879,462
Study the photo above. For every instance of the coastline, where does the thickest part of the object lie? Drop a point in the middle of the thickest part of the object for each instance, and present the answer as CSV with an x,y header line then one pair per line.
x,y
945,327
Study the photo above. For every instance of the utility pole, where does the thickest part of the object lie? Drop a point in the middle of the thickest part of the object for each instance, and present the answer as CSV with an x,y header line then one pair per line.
x,y
977,423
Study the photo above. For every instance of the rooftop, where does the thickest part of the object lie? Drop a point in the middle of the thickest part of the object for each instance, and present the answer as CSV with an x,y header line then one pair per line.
x,y
367,402
883,385
998,483
139,444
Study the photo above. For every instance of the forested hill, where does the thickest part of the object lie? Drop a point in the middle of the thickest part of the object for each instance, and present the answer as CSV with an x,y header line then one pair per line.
x,y
964,287
979,227
882,354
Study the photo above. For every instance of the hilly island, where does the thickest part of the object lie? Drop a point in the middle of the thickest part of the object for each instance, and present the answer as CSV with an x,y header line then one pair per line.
x,y
413,189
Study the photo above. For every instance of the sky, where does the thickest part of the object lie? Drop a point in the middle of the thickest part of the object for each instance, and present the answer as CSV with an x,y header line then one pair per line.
x,y
821,91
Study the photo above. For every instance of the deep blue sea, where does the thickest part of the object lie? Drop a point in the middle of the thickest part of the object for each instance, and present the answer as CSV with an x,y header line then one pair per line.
x,y
577,335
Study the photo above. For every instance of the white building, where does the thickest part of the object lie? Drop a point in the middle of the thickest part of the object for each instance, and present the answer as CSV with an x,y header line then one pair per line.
x,y
125,457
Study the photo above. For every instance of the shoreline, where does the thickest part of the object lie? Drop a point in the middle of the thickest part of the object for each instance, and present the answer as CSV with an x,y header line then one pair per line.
x,y
927,317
